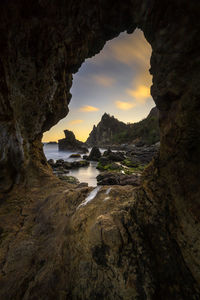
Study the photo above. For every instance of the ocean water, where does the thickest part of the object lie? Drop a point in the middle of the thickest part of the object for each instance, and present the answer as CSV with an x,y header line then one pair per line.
x,y
85,174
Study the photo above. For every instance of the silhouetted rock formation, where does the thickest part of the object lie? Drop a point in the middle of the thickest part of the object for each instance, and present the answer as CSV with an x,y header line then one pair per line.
x,y
103,133
110,131
71,143
141,243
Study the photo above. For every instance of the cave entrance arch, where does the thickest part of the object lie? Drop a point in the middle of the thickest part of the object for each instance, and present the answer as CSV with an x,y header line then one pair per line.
x,y
116,82
35,81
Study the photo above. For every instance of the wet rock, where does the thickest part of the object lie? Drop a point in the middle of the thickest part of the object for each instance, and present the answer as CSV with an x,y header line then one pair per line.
x,y
79,164
118,179
82,185
95,154
85,156
59,162
69,179
77,155
114,156
67,165
51,162
107,152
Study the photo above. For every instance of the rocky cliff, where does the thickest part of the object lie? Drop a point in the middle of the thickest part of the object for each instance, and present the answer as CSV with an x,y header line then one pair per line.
x,y
141,243
110,131
103,134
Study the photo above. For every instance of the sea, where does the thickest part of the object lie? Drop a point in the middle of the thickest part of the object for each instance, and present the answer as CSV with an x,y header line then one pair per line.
x,y
84,174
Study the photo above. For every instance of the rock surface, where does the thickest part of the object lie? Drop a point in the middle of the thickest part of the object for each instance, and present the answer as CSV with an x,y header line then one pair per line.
x,y
70,143
109,178
144,154
144,243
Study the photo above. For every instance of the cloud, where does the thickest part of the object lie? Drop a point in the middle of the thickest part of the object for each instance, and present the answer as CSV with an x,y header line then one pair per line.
x,y
104,80
74,122
134,49
140,94
128,49
124,105
88,108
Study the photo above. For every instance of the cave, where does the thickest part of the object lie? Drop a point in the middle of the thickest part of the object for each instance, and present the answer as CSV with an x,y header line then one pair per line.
x,y
145,245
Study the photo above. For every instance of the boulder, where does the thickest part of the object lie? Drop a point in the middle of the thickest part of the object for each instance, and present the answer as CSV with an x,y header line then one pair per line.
x,y
79,164
114,156
95,154
77,155
51,162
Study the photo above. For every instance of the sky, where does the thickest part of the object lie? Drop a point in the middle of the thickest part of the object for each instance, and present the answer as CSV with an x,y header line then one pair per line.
x,y
116,81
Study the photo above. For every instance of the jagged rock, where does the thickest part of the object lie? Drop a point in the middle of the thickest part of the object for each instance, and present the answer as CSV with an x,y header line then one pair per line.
x,y
113,133
102,134
70,143
95,154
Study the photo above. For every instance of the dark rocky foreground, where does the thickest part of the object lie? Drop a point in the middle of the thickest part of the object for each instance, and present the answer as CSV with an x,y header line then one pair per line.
x,y
141,243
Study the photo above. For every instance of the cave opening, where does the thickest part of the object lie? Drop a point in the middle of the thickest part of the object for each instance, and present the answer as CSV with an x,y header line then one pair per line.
x,y
128,243
111,89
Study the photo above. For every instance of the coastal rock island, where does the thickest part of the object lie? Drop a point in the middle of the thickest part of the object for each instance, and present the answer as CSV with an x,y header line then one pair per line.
x,y
70,143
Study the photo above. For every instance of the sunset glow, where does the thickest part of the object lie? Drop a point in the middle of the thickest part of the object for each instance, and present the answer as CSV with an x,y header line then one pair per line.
x,y
116,81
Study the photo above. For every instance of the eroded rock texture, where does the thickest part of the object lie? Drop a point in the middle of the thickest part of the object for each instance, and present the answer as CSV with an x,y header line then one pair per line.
x,y
49,252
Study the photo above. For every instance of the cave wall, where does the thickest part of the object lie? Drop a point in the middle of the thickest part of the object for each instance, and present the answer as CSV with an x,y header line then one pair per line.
x,y
42,43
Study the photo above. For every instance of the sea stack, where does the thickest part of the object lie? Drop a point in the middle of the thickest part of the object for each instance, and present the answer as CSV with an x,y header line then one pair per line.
x,y
70,143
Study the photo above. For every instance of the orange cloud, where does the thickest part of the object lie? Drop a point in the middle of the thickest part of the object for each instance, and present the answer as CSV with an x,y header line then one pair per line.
x,y
124,105
140,94
88,108
74,122
104,80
